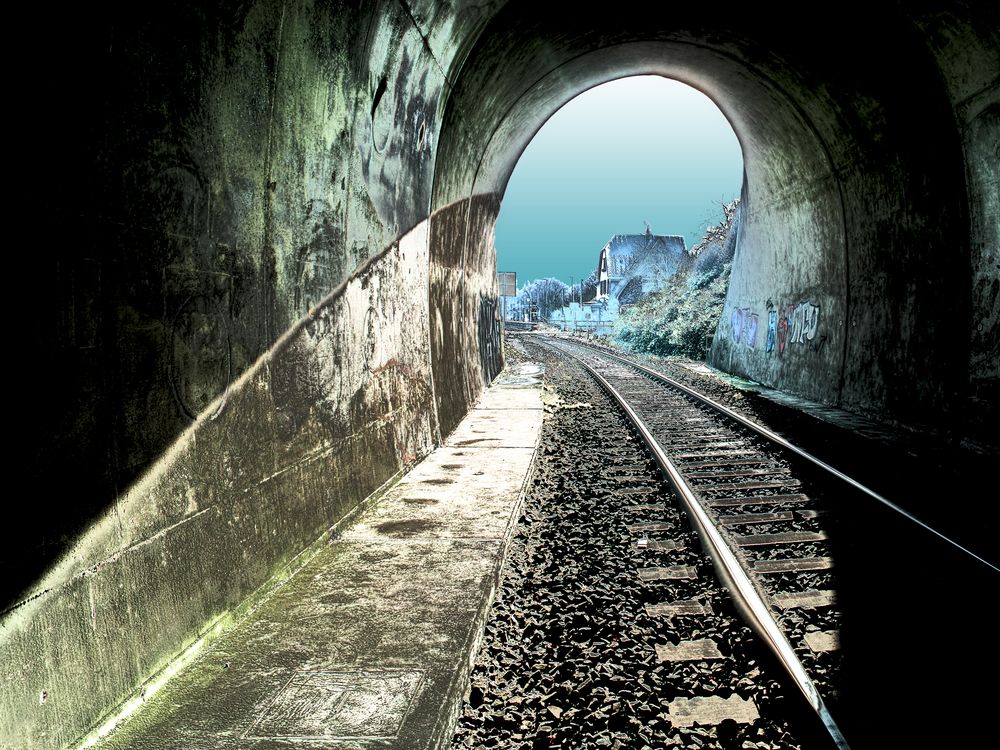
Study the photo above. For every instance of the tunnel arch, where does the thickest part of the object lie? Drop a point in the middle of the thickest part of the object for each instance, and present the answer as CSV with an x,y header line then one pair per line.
x,y
846,215
235,153
646,147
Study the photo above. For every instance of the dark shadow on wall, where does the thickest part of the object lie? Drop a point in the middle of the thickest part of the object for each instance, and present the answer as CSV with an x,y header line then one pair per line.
x,y
154,298
188,208
982,143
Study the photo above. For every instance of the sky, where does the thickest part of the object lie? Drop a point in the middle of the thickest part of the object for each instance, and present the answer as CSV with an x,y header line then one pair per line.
x,y
636,150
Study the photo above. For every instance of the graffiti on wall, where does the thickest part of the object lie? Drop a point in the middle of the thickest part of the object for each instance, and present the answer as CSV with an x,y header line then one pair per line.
x,y
750,331
786,324
736,321
803,322
489,337
744,323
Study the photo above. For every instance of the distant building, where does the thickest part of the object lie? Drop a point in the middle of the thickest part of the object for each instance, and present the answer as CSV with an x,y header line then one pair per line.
x,y
632,265
628,267
590,316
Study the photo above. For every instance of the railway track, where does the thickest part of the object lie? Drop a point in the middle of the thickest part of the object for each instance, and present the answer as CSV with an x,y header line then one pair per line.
x,y
610,628
804,563
763,533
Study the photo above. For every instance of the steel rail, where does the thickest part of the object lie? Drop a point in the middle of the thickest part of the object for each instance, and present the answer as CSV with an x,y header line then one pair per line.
x,y
746,596
776,438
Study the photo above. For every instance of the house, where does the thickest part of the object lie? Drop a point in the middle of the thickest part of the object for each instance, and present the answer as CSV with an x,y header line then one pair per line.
x,y
629,266
632,265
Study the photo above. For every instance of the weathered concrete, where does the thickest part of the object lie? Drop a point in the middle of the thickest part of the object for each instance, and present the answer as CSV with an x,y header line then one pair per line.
x,y
854,229
465,326
965,42
895,279
235,165
240,300
374,637
243,491
261,278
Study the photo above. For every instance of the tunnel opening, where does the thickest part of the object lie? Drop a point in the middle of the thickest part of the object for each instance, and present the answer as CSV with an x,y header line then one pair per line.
x,y
791,203
641,151
832,182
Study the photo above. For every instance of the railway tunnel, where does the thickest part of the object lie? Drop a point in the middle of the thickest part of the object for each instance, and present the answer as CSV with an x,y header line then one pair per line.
x,y
270,272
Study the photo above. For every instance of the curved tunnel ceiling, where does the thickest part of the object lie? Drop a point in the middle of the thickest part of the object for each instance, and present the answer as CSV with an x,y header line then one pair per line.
x,y
854,193
770,128
800,105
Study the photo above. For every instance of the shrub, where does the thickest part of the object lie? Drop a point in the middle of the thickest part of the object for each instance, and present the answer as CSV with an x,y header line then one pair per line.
x,y
678,317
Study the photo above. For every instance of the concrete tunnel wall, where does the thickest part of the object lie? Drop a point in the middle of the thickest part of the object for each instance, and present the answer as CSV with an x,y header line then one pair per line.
x,y
251,310
851,281
270,273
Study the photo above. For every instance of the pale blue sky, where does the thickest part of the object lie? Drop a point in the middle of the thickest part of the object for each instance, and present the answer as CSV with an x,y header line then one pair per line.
x,y
633,150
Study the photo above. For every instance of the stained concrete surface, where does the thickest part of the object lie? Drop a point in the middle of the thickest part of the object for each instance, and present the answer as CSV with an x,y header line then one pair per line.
x,y
228,167
303,437
369,644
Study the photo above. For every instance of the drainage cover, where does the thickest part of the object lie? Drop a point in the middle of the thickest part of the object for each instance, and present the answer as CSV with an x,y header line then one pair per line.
x,y
363,704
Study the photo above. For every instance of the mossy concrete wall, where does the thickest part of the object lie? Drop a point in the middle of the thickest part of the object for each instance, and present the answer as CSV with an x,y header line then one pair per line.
x,y
258,279
856,283
236,346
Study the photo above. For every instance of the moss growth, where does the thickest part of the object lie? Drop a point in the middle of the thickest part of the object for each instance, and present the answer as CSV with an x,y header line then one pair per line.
x,y
681,316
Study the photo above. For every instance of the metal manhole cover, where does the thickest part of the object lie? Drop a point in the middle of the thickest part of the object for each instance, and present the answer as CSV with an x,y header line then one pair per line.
x,y
363,704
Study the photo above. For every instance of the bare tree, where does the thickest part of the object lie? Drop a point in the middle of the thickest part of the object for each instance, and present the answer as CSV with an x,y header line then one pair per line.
x,y
716,234
547,294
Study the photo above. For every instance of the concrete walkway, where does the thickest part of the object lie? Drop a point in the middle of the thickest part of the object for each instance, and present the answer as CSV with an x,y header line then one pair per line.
x,y
370,643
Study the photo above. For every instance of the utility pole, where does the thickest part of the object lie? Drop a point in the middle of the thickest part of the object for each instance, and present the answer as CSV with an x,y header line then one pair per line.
x,y
571,300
